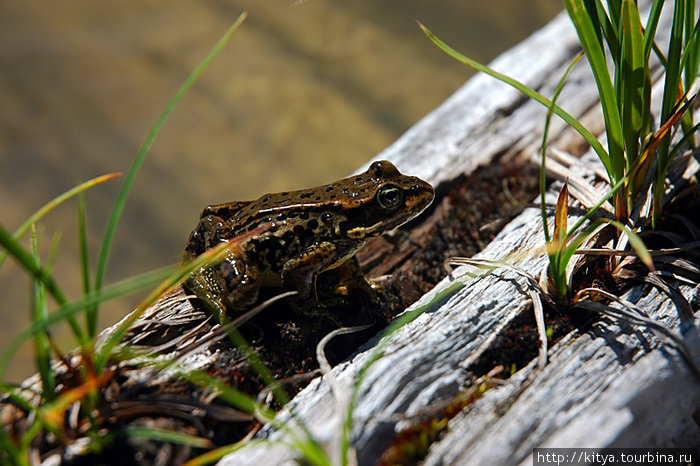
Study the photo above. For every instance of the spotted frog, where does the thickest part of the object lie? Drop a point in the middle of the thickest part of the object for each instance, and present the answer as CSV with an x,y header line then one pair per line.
x,y
299,234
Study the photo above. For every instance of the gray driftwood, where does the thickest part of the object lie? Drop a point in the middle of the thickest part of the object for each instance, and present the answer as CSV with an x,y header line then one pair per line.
x,y
611,386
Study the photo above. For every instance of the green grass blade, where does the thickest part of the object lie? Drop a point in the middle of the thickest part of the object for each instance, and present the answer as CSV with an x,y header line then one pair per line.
x,y
689,64
652,25
69,309
174,277
688,135
635,83
592,211
668,103
635,241
26,260
673,66
302,439
615,14
596,58
163,435
42,346
11,391
405,318
10,452
90,312
691,52
48,207
545,137
257,364
570,120
232,396
216,454
133,171
607,26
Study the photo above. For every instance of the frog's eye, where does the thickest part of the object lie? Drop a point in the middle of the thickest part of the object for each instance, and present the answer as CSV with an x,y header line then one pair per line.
x,y
389,197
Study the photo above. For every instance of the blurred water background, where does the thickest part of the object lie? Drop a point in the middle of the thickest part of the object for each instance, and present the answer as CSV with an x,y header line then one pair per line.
x,y
304,93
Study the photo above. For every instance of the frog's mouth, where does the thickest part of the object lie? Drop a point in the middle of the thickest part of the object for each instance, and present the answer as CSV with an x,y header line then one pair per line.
x,y
381,226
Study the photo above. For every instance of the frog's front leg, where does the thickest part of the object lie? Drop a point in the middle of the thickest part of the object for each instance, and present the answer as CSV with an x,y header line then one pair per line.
x,y
301,271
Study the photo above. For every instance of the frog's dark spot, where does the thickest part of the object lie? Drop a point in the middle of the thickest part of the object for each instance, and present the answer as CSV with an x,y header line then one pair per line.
x,y
318,198
313,223
306,195
284,193
292,214
268,219
266,198
298,230
281,217
333,196
273,256
303,215
346,190
359,178
329,188
326,217
288,237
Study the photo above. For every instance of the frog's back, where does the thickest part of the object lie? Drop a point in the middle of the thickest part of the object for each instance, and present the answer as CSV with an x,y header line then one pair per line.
x,y
226,210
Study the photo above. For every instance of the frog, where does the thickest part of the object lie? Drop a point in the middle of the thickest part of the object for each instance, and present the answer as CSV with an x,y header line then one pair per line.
x,y
286,240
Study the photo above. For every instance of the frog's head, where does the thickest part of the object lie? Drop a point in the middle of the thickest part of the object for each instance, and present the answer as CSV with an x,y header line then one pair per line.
x,y
381,199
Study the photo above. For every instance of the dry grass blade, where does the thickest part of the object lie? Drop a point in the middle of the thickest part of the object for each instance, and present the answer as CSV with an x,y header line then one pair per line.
x,y
178,407
635,318
339,393
561,215
48,207
321,347
541,331
644,161
682,266
580,189
535,291
627,252
222,331
53,413
214,335
685,310
687,224
492,265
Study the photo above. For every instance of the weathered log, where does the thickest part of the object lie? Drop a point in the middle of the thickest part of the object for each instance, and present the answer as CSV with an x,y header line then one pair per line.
x,y
609,385
605,385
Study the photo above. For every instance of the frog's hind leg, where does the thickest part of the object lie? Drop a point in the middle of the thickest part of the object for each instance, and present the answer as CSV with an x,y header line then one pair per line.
x,y
230,285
